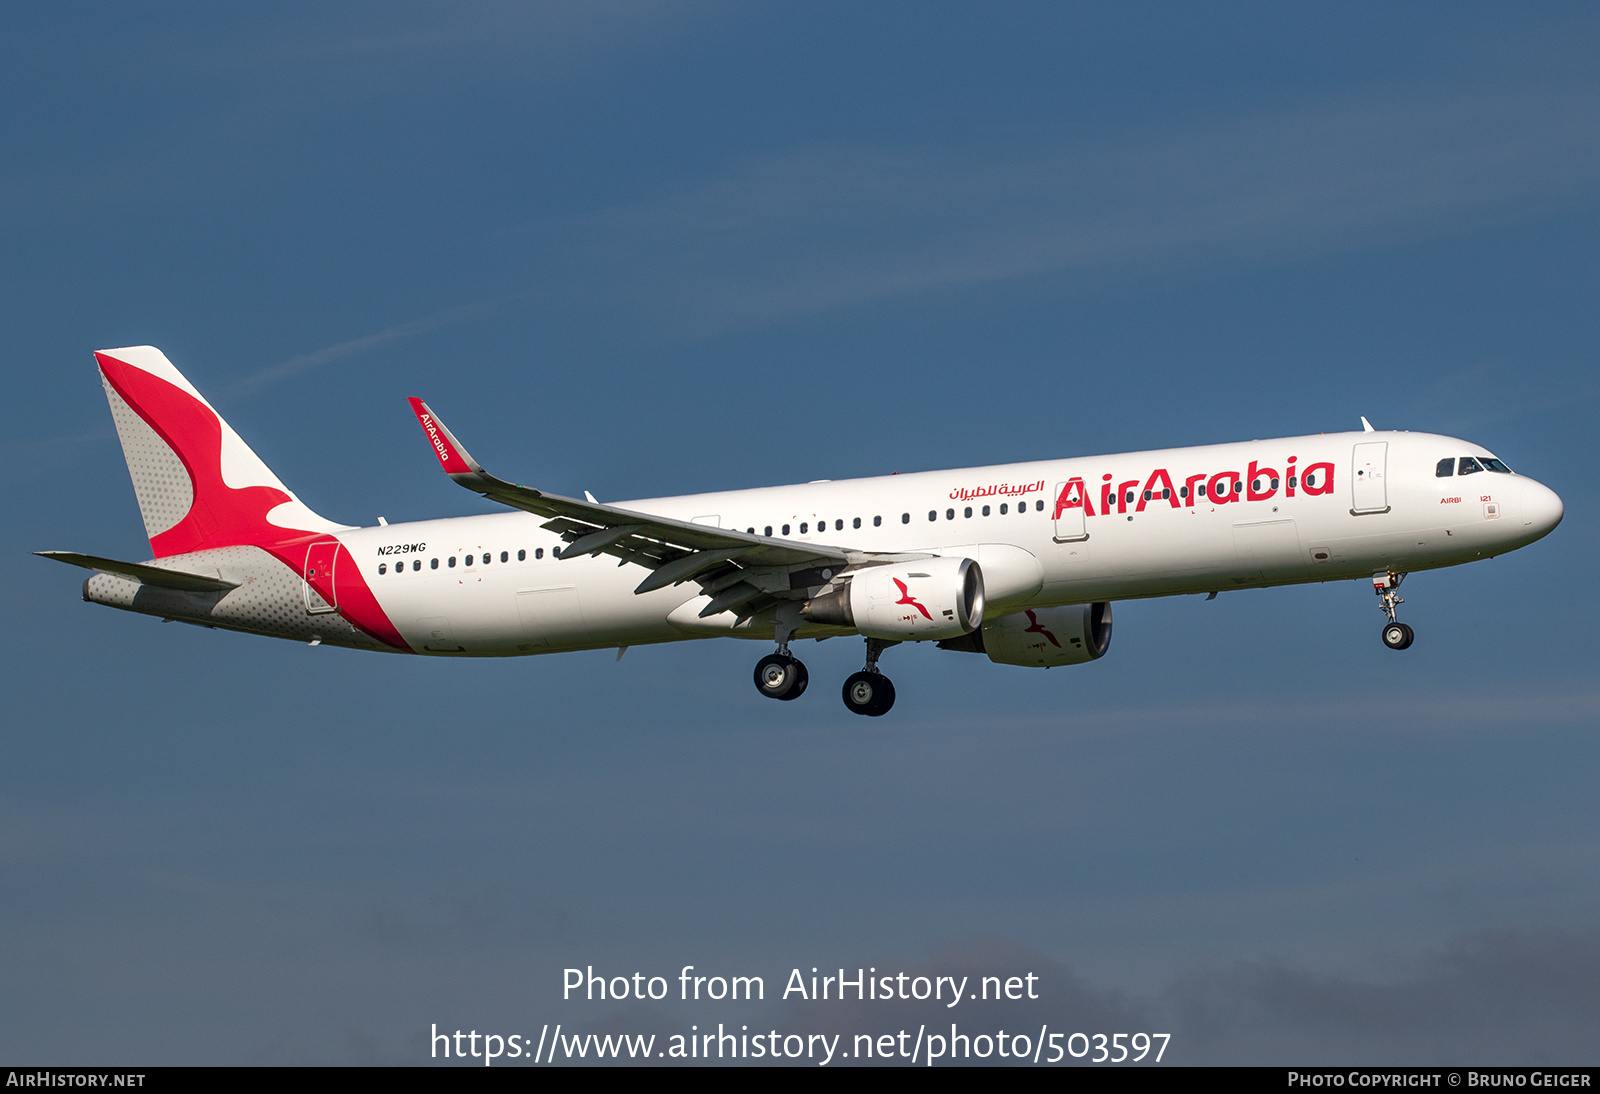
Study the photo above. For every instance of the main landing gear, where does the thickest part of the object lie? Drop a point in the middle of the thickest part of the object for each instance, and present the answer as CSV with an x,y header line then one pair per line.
x,y
781,675
869,691
1396,635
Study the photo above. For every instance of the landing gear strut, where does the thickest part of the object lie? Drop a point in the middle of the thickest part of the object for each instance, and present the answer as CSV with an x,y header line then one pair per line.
x,y
870,692
1396,635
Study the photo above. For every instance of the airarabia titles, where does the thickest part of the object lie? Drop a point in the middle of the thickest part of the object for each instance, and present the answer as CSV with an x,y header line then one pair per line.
x,y
1257,482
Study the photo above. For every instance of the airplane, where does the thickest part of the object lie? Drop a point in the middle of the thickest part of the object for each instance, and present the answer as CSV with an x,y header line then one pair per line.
x,y
1019,562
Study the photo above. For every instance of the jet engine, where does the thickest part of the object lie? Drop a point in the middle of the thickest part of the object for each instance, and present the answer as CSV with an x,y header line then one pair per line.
x,y
906,602
1041,637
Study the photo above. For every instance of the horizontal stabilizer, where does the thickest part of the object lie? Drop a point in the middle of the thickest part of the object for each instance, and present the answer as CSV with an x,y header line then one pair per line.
x,y
149,575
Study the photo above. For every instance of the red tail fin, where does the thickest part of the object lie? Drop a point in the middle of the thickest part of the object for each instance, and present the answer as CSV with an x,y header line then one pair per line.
x,y
199,485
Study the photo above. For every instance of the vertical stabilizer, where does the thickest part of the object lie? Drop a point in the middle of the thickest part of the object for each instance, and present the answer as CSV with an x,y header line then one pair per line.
x,y
199,485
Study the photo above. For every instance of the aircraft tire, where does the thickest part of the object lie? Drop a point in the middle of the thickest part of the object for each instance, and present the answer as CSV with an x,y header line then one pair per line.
x,y
868,693
802,678
1397,636
779,676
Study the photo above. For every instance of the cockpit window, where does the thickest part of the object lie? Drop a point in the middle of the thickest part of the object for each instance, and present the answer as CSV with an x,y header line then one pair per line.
x,y
1469,465
1446,468
1495,465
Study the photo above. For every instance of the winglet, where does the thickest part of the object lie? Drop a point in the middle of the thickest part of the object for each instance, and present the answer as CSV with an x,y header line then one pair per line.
x,y
452,457
1366,426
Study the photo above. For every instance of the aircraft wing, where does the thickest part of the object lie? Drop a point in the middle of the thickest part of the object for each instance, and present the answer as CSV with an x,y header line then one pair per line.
x,y
739,571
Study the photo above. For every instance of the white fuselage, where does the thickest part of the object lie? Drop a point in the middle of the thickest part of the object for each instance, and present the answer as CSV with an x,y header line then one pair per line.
x,y
493,585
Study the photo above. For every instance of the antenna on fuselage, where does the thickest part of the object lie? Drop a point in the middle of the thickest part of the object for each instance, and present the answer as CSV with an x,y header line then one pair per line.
x,y
1366,426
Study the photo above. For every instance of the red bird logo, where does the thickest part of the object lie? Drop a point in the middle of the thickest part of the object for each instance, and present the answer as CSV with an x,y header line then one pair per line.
x,y
907,598
1038,628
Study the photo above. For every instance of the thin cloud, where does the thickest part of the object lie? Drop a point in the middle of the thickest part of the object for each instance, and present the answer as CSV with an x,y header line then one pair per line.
x,y
305,362
832,226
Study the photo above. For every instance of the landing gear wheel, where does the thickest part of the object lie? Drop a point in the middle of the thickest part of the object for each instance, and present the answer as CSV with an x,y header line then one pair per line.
x,y
1397,636
868,693
779,676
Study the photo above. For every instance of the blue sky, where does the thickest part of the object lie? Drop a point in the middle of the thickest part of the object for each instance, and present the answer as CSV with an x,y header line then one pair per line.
x,y
649,249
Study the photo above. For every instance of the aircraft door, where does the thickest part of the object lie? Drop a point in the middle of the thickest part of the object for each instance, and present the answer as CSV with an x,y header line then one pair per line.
x,y
320,594
1369,492
1069,513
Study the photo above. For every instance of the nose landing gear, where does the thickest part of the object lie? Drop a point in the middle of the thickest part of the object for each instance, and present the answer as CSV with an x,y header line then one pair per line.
x,y
869,692
1396,635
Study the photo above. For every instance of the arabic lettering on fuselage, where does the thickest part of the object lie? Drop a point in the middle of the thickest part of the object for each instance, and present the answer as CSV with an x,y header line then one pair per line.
x,y
1003,490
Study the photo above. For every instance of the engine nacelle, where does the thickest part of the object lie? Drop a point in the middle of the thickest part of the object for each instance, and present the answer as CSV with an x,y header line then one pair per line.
x,y
920,601
1042,637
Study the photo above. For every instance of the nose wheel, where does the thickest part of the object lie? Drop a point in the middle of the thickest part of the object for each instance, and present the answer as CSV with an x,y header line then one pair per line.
x,y
1396,635
780,676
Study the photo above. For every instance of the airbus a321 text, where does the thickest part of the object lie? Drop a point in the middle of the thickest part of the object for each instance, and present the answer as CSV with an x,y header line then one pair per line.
x,y
1017,562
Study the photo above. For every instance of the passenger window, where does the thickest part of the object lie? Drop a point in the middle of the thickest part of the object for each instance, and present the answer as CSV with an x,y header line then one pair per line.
x,y
802,528
905,518
452,562
538,552
968,512
933,514
985,510
785,529
1469,465
856,523
1003,509
767,531
1446,468
1039,505
750,531
416,564
487,558
949,514
433,564
383,567
505,556
838,525
1200,489
877,522
522,556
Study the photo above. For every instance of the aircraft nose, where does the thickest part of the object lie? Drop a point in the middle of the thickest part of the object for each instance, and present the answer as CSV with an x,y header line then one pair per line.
x,y
1542,509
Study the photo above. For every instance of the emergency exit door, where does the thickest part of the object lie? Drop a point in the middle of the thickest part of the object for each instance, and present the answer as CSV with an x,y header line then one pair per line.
x,y
1069,520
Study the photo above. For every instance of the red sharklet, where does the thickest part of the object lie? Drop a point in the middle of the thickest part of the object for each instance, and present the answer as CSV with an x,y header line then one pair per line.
x,y
440,439
227,516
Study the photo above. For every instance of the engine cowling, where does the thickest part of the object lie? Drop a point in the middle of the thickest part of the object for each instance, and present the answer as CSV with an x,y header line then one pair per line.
x,y
1042,637
922,601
